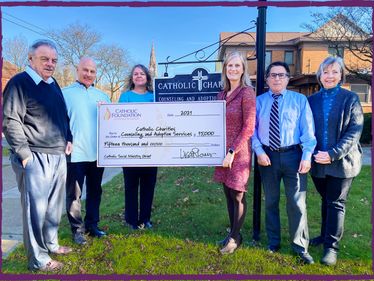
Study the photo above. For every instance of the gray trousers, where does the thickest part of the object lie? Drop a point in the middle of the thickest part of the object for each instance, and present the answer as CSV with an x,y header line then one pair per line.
x,y
284,165
42,185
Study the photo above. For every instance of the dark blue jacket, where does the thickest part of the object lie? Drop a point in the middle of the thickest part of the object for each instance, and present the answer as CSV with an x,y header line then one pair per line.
x,y
35,117
344,130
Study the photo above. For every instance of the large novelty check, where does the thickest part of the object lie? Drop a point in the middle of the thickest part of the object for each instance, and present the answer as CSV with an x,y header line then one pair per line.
x,y
162,134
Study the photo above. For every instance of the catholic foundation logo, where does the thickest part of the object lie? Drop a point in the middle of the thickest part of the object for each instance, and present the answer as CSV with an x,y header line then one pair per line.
x,y
122,113
107,114
126,114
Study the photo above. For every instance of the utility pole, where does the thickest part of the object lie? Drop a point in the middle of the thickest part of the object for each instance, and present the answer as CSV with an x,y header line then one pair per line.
x,y
260,54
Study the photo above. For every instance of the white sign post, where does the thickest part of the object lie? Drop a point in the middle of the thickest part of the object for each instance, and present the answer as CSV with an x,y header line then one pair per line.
x,y
161,134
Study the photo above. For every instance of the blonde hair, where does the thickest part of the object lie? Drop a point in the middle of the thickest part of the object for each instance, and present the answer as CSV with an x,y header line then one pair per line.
x,y
244,80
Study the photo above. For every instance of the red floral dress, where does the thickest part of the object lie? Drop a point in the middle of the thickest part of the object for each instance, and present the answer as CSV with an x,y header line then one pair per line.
x,y
240,124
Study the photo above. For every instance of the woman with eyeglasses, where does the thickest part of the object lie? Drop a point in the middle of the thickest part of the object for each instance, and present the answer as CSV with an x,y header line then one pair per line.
x,y
240,121
338,122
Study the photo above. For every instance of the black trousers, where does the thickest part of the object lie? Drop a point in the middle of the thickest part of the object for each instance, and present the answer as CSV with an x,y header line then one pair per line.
x,y
284,166
76,173
334,192
145,178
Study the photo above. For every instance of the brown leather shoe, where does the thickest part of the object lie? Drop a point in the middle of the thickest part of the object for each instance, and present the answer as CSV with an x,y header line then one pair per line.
x,y
51,266
63,250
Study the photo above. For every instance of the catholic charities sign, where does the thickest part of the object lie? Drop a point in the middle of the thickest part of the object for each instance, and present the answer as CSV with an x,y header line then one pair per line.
x,y
197,86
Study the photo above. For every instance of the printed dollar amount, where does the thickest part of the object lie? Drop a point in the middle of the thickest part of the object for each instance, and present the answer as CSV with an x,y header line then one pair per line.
x,y
206,133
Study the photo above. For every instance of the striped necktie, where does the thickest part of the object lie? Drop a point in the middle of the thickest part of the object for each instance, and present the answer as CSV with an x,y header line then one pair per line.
x,y
274,132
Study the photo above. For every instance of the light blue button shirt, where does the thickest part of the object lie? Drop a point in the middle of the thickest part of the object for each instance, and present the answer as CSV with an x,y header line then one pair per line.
x,y
295,121
82,110
36,77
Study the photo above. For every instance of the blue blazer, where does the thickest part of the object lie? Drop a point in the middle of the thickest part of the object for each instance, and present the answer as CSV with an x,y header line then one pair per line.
x,y
344,130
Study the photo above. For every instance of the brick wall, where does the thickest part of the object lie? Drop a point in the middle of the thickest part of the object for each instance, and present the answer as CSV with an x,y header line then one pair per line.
x,y
8,71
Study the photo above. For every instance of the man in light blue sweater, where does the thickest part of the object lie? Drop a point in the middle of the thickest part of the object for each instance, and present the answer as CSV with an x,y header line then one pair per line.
x,y
82,99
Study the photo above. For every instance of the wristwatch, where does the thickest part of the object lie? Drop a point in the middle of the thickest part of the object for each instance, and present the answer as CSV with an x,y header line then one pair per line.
x,y
231,151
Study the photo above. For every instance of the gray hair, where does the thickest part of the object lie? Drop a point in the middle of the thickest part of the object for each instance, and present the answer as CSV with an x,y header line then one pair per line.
x,y
326,63
244,80
41,42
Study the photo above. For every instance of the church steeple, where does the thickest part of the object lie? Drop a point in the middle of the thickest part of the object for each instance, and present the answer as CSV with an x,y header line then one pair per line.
x,y
152,62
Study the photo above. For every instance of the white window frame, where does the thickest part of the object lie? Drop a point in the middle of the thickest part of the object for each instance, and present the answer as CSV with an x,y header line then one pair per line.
x,y
367,93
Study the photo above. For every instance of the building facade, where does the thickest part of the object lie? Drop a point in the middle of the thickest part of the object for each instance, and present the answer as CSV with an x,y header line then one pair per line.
x,y
303,52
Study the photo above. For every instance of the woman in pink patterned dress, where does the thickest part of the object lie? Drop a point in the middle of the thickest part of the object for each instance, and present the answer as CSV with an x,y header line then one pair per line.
x,y
240,122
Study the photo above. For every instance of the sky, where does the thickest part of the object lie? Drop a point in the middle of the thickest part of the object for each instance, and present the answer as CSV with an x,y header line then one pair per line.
x,y
173,31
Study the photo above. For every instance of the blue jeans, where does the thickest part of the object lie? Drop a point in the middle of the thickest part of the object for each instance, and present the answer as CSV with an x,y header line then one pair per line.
x,y
334,192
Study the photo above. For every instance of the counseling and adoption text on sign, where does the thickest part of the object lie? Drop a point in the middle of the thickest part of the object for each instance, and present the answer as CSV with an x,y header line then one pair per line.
x,y
161,134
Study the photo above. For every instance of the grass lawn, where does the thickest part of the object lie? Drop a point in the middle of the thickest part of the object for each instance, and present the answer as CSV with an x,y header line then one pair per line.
x,y
189,218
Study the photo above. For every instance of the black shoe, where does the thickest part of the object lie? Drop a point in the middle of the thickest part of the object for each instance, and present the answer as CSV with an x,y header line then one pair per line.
x,y
96,232
306,258
79,239
329,257
273,248
316,241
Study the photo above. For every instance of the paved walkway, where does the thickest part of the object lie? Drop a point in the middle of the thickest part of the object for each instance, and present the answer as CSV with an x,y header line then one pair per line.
x,y
11,235
11,207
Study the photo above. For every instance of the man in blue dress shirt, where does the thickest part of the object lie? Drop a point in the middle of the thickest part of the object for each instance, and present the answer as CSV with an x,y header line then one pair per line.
x,y
82,99
283,142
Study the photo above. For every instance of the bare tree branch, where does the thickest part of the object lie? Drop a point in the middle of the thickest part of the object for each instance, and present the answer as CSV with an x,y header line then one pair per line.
x,y
75,41
113,66
349,28
15,51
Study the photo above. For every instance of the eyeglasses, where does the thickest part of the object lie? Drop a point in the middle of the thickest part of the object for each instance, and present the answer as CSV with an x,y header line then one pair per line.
x,y
280,75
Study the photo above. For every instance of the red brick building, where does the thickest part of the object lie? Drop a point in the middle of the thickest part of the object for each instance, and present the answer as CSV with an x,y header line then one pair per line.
x,y
304,52
8,71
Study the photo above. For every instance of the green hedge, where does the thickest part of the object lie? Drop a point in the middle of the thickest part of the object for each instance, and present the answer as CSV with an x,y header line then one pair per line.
x,y
366,133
